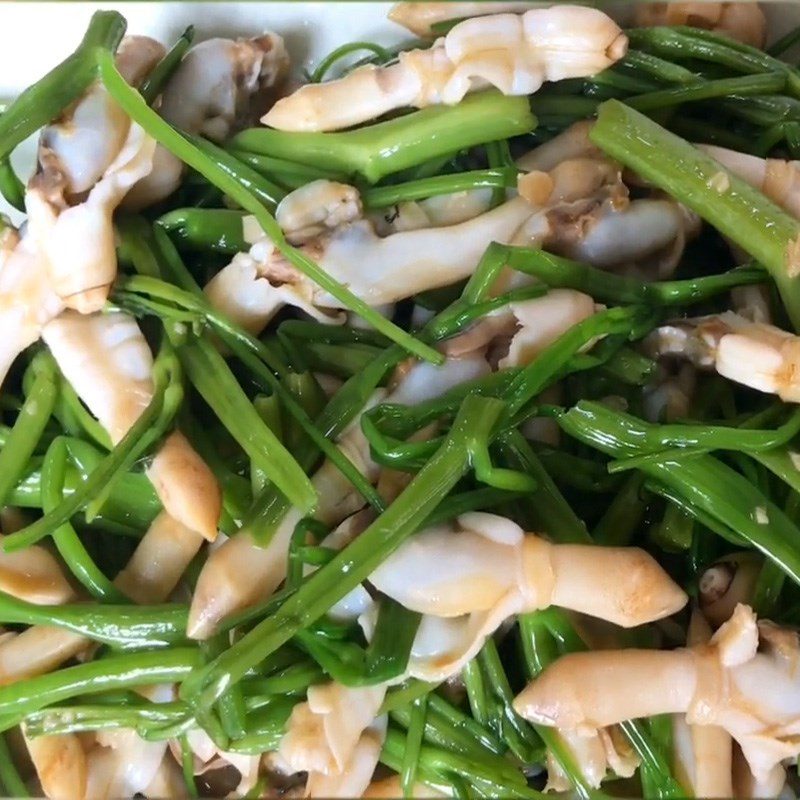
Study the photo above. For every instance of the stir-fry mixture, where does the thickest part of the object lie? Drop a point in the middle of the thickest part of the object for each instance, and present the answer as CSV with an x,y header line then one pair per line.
x,y
421,427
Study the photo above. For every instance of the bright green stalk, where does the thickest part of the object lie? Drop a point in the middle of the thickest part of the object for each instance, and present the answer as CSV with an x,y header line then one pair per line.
x,y
738,211
399,697
378,150
630,366
76,419
623,515
203,229
48,97
341,361
147,429
358,560
187,764
763,111
517,732
541,372
449,727
557,271
137,109
259,187
659,68
153,84
704,483
10,779
675,530
265,728
29,425
123,627
345,50
767,591
66,540
681,43
351,398
416,729
719,437
132,501
768,83
19,699
390,648
297,677
488,780
11,187
212,377
477,695
383,196
780,462
546,506
288,173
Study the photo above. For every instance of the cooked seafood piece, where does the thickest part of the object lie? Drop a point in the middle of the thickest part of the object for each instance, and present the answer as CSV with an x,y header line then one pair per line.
x,y
515,54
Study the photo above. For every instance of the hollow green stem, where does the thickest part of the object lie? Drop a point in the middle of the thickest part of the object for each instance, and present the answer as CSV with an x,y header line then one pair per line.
x,y
266,192
11,187
147,429
390,648
254,353
131,503
345,50
623,516
153,84
546,508
740,212
29,426
376,151
416,730
288,173
76,419
383,196
203,229
659,68
66,540
720,437
187,765
767,591
703,483
541,372
131,670
212,377
679,43
10,779
123,627
265,728
675,531
767,83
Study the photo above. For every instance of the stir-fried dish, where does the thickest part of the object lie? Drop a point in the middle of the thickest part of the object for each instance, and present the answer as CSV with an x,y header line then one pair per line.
x,y
423,425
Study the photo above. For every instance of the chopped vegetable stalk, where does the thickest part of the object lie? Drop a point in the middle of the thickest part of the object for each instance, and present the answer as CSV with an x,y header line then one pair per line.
x,y
737,210
144,432
388,147
153,84
29,425
708,488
